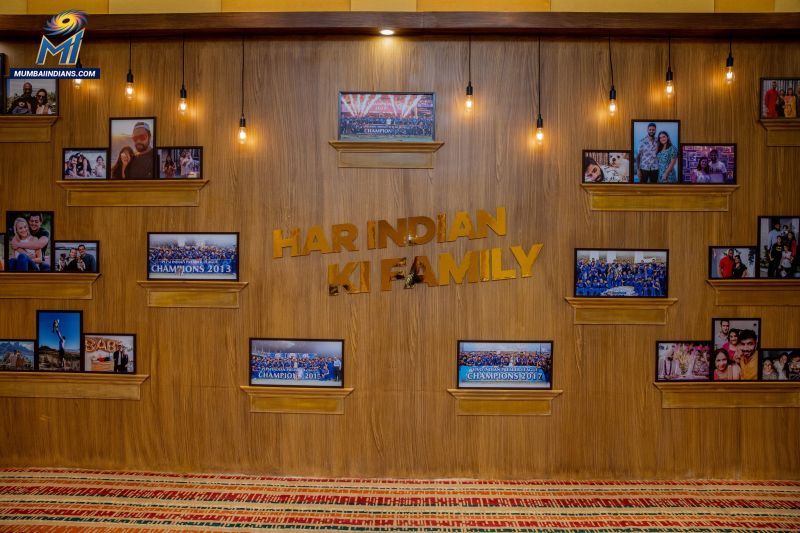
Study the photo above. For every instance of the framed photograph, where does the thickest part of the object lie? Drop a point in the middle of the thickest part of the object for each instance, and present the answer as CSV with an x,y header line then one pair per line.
x,y
732,262
387,117
85,163
505,365
193,256
297,362
777,247
779,364
31,97
111,353
77,256
606,166
29,241
132,142
17,355
622,273
2,253
683,361
656,156
59,336
705,164
779,97
738,340
180,162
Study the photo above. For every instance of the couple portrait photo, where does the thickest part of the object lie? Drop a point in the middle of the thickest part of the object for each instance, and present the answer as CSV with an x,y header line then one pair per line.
x,y
132,146
29,241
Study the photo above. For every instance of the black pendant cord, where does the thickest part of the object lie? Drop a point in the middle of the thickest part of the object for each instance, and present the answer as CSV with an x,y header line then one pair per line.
x,y
539,78
183,62
130,53
469,60
610,61
242,84
669,53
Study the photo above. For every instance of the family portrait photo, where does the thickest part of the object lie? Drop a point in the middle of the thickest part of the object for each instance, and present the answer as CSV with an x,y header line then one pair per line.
x,y
132,144
77,256
621,273
777,247
779,97
297,362
683,361
735,356
31,97
109,353
386,116
606,166
193,256
780,364
16,355
85,163
656,156
29,245
705,164
505,364
58,340
732,262
180,162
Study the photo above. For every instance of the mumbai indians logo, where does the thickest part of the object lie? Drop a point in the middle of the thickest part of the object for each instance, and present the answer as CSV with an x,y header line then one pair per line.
x,y
65,23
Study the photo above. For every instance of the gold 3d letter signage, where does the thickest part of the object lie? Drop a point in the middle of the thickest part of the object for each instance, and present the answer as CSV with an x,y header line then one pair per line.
x,y
354,277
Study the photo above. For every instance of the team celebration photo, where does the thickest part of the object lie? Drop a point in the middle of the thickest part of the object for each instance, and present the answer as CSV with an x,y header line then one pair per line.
x,y
621,273
505,365
193,256
297,362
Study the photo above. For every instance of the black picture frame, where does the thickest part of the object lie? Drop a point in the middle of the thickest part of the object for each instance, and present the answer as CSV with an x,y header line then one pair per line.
x,y
10,216
238,254
676,143
760,245
682,162
64,152
79,241
7,90
710,363
403,93
321,387
594,150
735,247
761,93
33,343
575,271
135,352
158,161
154,137
714,349
552,363
762,357
37,353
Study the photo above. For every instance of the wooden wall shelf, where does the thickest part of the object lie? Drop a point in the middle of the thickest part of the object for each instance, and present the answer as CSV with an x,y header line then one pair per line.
x,y
217,294
357,154
48,285
133,193
504,402
26,129
714,395
782,131
767,292
635,311
71,385
304,400
635,197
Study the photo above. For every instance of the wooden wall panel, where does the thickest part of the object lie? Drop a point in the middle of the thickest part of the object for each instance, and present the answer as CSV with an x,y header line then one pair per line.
x,y
400,421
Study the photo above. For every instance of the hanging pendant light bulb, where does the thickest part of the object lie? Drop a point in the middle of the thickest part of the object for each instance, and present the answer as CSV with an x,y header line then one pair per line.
x,y
129,91
729,75
242,133
77,82
468,102
182,105
669,87
612,95
539,120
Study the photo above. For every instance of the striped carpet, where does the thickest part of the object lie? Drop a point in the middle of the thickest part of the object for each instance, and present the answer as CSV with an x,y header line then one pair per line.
x,y
59,500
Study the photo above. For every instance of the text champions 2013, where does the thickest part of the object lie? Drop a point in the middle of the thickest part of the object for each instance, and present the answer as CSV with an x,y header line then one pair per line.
x,y
355,277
